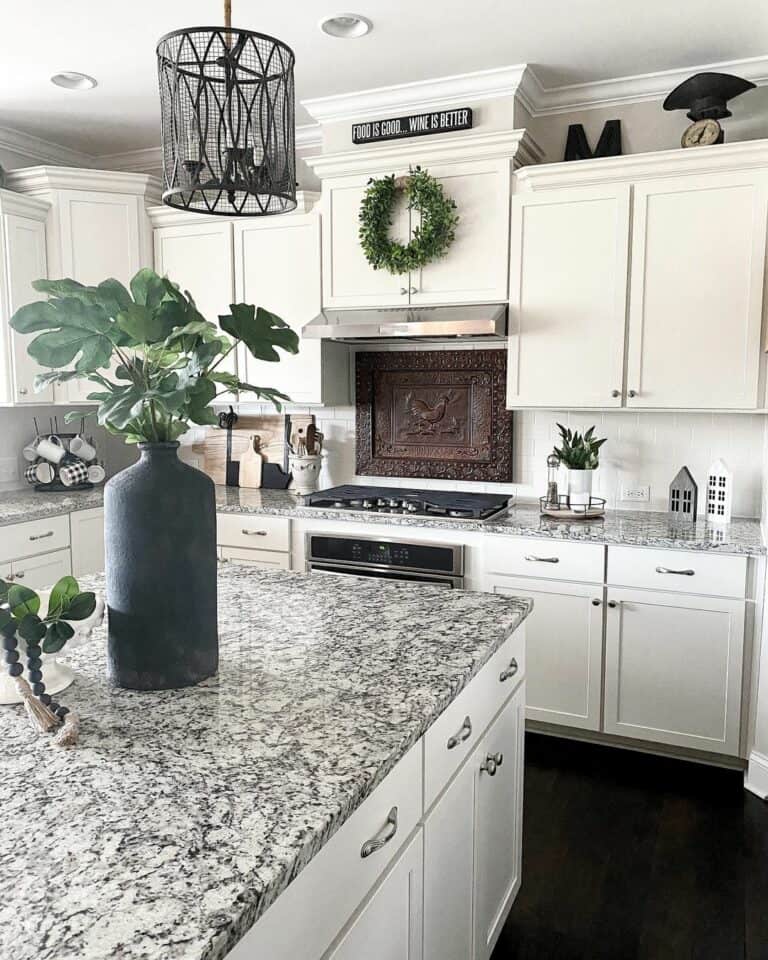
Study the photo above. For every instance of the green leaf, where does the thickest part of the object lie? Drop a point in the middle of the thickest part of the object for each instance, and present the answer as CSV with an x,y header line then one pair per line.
x,y
148,288
32,628
22,601
64,590
228,379
64,288
80,607
44,380
4,588
265,393
113,297
260,330
57,635
40,315
115,408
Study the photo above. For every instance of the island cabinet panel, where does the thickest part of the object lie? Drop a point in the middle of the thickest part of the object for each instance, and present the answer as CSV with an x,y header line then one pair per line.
x,y
87,534
498,766
308,916
389,927
696,291
564,658
673,669
568,290
41,571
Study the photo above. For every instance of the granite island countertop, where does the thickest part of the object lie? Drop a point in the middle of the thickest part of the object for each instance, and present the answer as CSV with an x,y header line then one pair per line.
x,y
630,527
180,816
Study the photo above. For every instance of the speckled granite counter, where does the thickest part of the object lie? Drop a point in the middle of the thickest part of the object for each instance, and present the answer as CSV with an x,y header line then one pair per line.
x,y
180,816
634,527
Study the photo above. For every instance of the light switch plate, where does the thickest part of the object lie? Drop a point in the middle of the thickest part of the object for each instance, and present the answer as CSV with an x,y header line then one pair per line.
x,y
636,494
9,470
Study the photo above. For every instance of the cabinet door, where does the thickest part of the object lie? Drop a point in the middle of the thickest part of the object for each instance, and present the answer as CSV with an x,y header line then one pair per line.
x,y
498,823
476,266
198,257
25,262
389,927
673,669
567,299
348,279
277,266
87,541
42,571
101,235
448,871
696,293
564,651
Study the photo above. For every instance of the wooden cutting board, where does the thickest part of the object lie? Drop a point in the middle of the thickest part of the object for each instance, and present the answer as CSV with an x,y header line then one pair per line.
x,y
250,467
271,429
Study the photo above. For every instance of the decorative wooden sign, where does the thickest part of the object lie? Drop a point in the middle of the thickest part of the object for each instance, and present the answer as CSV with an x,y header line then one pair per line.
x,y
416,125
433,413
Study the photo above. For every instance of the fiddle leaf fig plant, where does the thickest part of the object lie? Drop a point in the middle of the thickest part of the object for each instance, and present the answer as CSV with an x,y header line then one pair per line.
x,y
154,359
578,452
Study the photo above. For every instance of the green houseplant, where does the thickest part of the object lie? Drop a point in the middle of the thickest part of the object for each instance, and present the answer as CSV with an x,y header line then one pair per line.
x,y
579,453
155,363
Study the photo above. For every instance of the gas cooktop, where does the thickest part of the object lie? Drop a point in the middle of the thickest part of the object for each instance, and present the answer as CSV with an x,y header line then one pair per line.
x,y
406,501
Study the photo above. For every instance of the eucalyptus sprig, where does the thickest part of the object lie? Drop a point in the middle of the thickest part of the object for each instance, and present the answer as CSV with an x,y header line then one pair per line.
x,y
20,613
578,452
154,357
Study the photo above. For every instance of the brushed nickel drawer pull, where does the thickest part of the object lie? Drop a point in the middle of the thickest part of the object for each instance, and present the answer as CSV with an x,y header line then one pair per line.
x,y
510,671
41,536
679,573
383,837
254,533
536,559
491,763
464,734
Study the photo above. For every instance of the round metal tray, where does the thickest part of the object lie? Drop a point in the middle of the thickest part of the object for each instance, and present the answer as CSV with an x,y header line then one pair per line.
x,y
562,510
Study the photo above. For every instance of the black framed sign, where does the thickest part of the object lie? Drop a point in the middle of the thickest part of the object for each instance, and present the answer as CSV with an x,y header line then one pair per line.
x,y
415,125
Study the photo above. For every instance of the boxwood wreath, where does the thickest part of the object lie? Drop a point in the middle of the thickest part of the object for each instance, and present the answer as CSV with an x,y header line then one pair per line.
x,y
429,242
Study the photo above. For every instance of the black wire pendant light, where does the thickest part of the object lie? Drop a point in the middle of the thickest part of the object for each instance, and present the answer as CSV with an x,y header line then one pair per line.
x,y
228,128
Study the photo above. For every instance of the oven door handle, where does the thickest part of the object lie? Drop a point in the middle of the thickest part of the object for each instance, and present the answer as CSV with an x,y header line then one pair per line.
x,y
456,583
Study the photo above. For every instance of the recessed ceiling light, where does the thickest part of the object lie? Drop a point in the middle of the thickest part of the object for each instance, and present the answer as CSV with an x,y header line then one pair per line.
x,y
71,80
346,26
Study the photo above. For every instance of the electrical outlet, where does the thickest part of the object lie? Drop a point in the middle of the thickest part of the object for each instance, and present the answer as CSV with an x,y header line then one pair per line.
x,y
641,492
9,470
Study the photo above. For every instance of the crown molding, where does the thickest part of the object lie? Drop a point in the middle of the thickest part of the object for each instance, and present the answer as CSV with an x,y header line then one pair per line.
x,y
23,206
309,136
43,180
744,155
162,216
422,95
42,151
515,145
541,101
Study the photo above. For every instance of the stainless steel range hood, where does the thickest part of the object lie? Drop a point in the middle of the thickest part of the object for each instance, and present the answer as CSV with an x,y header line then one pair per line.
x,y
486,320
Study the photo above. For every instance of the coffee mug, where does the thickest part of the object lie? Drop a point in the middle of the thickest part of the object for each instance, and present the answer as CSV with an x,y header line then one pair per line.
x,y
96,473
41,472
51,448
73,474
81,448
29,452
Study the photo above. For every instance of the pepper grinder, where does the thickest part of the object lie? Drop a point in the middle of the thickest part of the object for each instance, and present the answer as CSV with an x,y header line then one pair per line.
x,y
553,465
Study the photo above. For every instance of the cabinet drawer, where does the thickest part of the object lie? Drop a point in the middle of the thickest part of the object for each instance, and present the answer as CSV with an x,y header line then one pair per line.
x,y
337,880
269,559
34,537
678,571
253,532
453,736
39,572
544,558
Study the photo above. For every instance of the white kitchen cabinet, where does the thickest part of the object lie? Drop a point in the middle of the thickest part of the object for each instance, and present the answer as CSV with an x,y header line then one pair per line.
x,y
498,764
41,571
449,849
390,925
696,292
564,663
23,258
277,266
673,669
568,290
87,541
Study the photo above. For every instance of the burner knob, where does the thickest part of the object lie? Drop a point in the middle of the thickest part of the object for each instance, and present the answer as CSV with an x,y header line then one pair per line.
x,y
339,503
411,507
381,502
394,503
367,504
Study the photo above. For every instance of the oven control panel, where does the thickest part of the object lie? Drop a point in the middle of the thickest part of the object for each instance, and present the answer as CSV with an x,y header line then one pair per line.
x,y
365,552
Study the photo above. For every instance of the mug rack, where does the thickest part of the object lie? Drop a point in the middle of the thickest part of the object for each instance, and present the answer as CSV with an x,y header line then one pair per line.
x,y
56,485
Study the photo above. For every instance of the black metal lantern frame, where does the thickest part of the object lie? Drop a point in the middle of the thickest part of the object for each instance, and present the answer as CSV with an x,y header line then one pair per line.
x,y
228,122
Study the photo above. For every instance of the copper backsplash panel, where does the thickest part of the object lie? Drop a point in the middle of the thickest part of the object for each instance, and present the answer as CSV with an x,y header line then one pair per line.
x,y
433,413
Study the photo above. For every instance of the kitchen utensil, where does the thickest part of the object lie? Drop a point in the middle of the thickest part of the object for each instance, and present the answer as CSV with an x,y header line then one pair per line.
x,y
214,452
73,474
251,466
227,421
80,447
96,473
51,448
311,431
274,478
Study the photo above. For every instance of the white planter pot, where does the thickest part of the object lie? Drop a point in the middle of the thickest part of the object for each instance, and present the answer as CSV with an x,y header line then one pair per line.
x,y
579,487
305,472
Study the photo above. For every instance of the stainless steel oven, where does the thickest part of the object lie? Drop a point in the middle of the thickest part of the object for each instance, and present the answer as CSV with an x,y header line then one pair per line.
x,y
438,563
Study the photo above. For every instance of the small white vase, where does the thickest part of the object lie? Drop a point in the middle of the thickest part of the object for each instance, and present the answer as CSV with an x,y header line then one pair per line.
x,y
306,471
579,487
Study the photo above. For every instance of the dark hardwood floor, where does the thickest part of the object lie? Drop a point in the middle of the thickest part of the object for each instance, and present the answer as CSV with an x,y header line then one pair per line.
x,y
633,857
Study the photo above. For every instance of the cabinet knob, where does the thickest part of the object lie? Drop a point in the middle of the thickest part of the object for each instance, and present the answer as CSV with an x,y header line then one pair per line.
x,y
19,575
612,604
403,291
23,391
633,393
595,603
615,393
491,763
463,734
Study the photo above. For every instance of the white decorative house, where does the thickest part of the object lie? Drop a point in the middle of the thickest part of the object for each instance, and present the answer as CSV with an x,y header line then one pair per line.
x,y
719,492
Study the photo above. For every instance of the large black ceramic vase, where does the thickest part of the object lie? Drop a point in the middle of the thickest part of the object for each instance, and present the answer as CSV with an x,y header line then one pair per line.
x,y
160,535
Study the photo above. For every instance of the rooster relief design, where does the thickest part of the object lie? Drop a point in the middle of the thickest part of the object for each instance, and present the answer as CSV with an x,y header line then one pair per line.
x,y
430,417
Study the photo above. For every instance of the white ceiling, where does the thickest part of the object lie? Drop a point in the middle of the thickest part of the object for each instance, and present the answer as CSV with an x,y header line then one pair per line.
x,y
567,41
